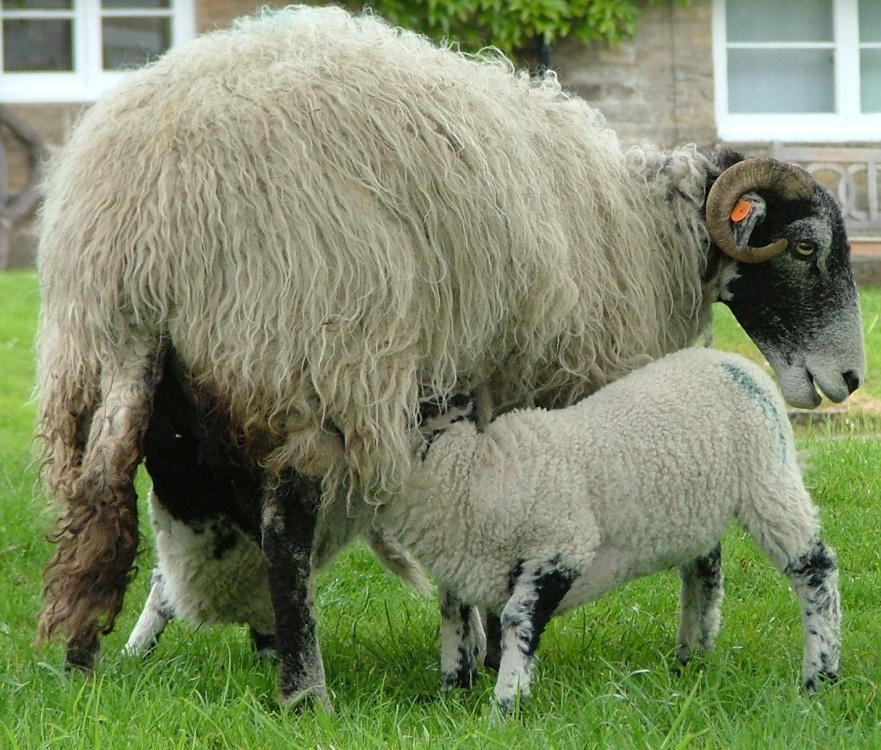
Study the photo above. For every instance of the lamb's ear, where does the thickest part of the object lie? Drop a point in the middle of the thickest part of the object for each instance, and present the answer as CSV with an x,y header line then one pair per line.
x,y
749,211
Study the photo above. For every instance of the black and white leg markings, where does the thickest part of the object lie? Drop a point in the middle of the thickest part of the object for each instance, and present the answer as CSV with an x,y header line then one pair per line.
x,y
700,603
288,522
460,642
814,576
538,588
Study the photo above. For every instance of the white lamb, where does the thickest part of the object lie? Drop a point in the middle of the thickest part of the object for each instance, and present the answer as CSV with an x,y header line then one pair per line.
x,y
547,510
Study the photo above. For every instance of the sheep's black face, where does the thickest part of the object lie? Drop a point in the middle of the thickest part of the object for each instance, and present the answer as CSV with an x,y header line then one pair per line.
x,y
801,308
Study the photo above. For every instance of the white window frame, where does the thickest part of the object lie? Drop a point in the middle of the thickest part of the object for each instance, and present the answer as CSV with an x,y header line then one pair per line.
x,y
847,123
88,80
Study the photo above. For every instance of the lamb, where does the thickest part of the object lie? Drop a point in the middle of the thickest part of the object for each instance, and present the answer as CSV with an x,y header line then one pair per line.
x,y
546,510
327,221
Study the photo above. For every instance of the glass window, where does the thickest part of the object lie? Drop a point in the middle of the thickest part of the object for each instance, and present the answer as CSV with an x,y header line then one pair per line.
x,y
795,70
74,50
781,81
870,56
132,42
37,45
779,20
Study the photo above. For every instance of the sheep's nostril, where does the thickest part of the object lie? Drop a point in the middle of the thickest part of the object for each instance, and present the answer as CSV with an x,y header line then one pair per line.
x,y
852,380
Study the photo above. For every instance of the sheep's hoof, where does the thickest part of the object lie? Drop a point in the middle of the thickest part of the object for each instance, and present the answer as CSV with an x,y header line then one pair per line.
x,y
307,699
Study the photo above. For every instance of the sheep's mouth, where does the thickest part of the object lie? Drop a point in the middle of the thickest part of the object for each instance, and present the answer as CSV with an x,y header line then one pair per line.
x,y
815,388
799,385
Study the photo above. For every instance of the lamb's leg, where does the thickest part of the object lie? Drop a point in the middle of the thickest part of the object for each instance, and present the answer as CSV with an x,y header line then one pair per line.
x,y
700,603
153,619
461,639
98,537
814,576
538,588
290,511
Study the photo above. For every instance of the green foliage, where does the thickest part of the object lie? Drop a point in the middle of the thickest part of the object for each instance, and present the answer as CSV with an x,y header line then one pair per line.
x,y
513,25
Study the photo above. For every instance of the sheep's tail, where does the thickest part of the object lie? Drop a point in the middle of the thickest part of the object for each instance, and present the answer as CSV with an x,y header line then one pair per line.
x,y
94,410
397,560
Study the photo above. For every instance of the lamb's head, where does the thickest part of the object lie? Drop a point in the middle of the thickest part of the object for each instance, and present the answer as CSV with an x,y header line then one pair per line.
x,y
793,289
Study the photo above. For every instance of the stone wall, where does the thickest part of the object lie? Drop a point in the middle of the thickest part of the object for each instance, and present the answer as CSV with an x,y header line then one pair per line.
x,y
658,87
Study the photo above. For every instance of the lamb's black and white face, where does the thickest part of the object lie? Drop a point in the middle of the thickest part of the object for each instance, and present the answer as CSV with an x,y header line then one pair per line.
x,y
801,308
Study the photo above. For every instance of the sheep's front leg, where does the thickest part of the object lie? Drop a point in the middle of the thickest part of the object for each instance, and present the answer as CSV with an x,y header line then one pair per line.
x,y
290,511
461,639
700,603
538,588
814,576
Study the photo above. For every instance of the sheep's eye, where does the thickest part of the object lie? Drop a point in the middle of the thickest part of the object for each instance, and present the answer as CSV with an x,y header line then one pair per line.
x,y
805,248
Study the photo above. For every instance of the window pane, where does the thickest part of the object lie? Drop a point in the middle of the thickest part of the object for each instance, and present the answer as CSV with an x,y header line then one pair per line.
x,y
134,4
37,4
870,21
780,81
37,45
779,20
131,42
870,80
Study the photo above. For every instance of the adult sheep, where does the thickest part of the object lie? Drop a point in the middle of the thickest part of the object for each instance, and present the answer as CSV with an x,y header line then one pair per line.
x,y
328,220
545,510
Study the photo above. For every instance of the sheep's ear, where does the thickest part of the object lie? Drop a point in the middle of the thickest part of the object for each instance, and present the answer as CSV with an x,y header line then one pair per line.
x,y
749,211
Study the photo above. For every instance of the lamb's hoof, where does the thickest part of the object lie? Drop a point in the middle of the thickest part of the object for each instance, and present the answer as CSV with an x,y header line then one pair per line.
x,y
812,684
509,707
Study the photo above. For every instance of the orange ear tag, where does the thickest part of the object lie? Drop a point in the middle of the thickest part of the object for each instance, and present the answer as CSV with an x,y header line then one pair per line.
x,y
741,210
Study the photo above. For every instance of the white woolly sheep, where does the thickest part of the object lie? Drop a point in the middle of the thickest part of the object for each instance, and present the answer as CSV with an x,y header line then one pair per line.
x,y
328,220
545,510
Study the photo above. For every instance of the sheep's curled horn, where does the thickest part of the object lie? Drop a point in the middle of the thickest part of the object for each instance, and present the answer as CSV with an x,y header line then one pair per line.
x,y
784,180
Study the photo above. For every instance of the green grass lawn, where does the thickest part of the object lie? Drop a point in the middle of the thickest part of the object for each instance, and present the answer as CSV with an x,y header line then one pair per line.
x,y
604,677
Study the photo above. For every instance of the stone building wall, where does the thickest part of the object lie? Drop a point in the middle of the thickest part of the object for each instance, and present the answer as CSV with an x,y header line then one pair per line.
x,y
658,87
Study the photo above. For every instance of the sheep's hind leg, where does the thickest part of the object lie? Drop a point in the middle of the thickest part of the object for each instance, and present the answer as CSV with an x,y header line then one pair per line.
x,y
700,603
537,590
814,576
290,512
461,640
